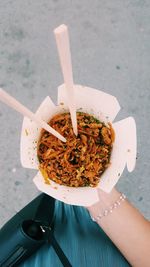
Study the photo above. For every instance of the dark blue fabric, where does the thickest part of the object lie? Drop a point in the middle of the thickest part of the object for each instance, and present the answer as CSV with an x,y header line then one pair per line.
x,y
82,240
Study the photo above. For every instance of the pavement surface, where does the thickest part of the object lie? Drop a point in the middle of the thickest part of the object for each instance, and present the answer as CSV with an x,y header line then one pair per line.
x,y
110,45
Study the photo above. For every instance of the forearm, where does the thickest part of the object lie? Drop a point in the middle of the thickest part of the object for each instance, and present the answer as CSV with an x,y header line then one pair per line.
x,y
126,227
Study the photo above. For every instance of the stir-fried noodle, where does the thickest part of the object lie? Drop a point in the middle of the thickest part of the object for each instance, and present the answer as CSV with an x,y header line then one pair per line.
x,y
82,159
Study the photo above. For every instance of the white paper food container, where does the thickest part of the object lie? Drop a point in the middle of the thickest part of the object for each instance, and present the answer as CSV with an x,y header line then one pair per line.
x,y
103,106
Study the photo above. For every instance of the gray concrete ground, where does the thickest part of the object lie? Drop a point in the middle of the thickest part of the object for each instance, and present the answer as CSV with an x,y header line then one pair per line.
x,y
110,44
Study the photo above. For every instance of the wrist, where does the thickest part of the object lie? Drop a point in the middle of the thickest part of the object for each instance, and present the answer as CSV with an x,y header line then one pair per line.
x,y
106,204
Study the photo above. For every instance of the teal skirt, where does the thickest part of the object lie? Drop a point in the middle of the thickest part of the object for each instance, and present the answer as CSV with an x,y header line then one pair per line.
x,y
82,240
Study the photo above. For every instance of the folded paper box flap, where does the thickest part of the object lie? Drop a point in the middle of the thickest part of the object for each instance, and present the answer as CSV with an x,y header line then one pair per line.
x,y
102,105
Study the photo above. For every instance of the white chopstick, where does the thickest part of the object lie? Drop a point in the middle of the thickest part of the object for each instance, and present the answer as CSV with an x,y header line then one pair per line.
x,y
62,41
13,103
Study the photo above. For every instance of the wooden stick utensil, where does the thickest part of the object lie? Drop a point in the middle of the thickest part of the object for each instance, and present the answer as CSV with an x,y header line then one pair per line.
x,y
13,103
62,40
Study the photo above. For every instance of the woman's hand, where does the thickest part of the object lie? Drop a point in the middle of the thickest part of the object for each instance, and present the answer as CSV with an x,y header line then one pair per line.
x,y
125,226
